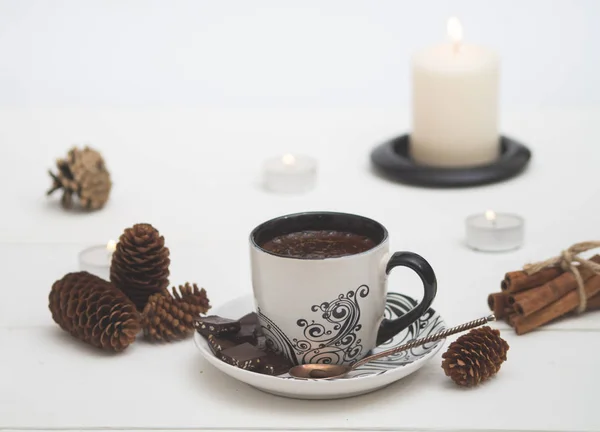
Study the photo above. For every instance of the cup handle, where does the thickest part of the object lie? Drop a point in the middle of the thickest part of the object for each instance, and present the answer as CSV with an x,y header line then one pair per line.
x,y
390,328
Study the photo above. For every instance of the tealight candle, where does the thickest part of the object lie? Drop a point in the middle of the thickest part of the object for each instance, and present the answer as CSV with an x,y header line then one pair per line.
x,y
495,232
290,173
96,259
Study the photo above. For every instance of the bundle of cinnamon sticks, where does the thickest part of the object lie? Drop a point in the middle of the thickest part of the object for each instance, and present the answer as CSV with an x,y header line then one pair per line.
x,y
528,301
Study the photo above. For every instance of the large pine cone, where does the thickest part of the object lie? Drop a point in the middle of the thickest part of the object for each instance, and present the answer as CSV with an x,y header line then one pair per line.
x,y
475,356
140,264
84,174
169,318
95,311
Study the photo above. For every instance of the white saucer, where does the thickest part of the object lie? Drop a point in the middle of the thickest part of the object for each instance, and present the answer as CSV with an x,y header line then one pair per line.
x,y
365,379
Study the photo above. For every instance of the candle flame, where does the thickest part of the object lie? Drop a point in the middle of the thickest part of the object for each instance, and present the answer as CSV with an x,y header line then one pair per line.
x,y
490,215
288,159
111,246
455,30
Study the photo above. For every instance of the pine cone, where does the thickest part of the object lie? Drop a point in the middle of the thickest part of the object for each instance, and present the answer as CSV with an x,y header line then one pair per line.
x,y
475,356
191,299
140,264
169,318
94,310
84,174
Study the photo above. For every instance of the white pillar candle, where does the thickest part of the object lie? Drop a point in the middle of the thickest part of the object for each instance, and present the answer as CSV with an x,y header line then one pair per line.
x,y
455,104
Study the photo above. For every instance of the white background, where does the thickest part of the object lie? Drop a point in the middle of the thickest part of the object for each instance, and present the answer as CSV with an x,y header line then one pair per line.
x,y
313,53
186,99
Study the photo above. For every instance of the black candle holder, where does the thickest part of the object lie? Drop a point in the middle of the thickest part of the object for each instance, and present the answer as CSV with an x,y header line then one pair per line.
x,y
392,159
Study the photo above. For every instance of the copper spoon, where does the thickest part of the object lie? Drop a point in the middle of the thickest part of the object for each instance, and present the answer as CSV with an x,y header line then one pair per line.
x,y
325,371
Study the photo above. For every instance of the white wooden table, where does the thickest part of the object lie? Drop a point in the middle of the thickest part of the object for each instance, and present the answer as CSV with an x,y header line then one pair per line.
x,y
194,175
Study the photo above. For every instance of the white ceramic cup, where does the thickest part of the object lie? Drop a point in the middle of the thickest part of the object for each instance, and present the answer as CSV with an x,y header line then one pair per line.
x,y
329,310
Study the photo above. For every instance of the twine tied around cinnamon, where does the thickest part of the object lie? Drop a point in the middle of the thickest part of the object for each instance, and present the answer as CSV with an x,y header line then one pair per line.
x,y
569,261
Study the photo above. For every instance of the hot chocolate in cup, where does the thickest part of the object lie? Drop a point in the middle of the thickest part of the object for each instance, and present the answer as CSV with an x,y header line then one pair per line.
x,y
320,285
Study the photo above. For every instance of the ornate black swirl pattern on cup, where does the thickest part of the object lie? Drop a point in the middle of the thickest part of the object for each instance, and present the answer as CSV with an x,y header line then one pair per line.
x,y
337,341
332,340
428,324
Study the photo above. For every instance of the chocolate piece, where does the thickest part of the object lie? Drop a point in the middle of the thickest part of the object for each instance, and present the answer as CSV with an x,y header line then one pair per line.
x,y
274,364
250,329
251,318
244,356
217,344
246,334
216,325
242,344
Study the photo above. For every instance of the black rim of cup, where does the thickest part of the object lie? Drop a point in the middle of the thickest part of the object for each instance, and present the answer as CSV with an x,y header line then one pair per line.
x,y
317,221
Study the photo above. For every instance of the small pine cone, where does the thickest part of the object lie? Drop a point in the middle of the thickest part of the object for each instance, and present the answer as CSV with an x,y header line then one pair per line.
x,y
475,356
165,319
191,299
140,264
95,311
84,174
